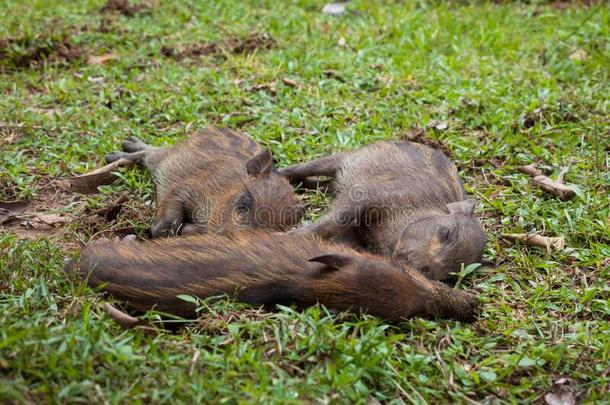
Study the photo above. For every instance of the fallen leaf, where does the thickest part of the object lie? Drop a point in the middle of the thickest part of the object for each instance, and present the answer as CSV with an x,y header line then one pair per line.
x,y
342,42
289,82
561,393
578,55
436,124
12,137
557,243
10,210
50,219
547,184
95,79
88,183
49,112
101,59
334,8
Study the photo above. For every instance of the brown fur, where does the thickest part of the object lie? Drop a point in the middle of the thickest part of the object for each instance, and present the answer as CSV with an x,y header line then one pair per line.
x,y
265,269
220,180
403,199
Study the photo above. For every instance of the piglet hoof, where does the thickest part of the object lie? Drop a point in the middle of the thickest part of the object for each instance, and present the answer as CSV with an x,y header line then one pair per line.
x,y
164,228
191,229
131,238
133,144
112,157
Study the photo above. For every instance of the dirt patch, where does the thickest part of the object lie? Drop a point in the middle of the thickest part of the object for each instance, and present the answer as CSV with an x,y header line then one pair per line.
x,y
119,215
418,135
234,45
124,7
44,216
70,220
38,50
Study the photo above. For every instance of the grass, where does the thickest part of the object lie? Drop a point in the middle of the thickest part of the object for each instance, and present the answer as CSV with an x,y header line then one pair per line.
x,y
501,84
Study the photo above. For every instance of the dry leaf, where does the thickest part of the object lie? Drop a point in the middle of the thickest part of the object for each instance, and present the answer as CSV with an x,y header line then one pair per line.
x,y
100,60
555,187
578,55
342,42
95,79
50,219
561,393
10,210
557,243
334,8
11,137
289,82
88,183
440,125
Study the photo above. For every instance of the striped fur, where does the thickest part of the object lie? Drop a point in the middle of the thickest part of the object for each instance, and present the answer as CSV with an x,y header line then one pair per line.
x,y
265,269
402,199
219,179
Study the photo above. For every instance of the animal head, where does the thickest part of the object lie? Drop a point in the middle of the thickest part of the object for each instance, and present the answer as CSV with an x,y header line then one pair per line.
x,y
267,200
370,283
437,244
385,290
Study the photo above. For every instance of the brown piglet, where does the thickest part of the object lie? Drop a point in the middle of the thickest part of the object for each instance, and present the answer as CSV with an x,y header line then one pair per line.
x,y
404,200
216,181
266,269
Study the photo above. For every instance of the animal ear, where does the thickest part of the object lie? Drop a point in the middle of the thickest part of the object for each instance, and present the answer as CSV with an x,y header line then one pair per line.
x,y
244,202
335,261
260,165
465,207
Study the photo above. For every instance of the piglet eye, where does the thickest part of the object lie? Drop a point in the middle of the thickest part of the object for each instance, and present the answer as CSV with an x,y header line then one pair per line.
x,y
444,233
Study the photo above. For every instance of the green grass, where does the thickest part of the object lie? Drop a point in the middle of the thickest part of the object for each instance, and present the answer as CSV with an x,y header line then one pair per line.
x,y
509,81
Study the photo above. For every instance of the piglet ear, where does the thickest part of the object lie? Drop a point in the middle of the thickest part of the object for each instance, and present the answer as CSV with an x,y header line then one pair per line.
x,y
465,207
334,261
260,165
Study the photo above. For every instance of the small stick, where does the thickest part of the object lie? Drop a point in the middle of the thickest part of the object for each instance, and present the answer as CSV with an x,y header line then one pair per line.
x,y
194,361
546,242
555,187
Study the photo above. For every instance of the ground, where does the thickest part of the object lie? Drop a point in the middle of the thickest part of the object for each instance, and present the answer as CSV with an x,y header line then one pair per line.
x,y
499,84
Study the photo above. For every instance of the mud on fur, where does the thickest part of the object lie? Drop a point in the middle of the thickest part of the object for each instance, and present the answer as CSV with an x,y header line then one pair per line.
x,y
403,199
266,269
218,180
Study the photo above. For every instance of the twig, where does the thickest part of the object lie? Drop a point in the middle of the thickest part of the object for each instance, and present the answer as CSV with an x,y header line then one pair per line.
x,y
194,362
556,243
555,187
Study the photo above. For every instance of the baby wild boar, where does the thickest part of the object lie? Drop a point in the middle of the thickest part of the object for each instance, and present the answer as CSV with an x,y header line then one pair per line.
x,y
219,180
266,269
403,199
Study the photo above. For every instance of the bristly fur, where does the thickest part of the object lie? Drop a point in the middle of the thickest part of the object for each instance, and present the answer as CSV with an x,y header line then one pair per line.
x,y
266,269
220,180
403,199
